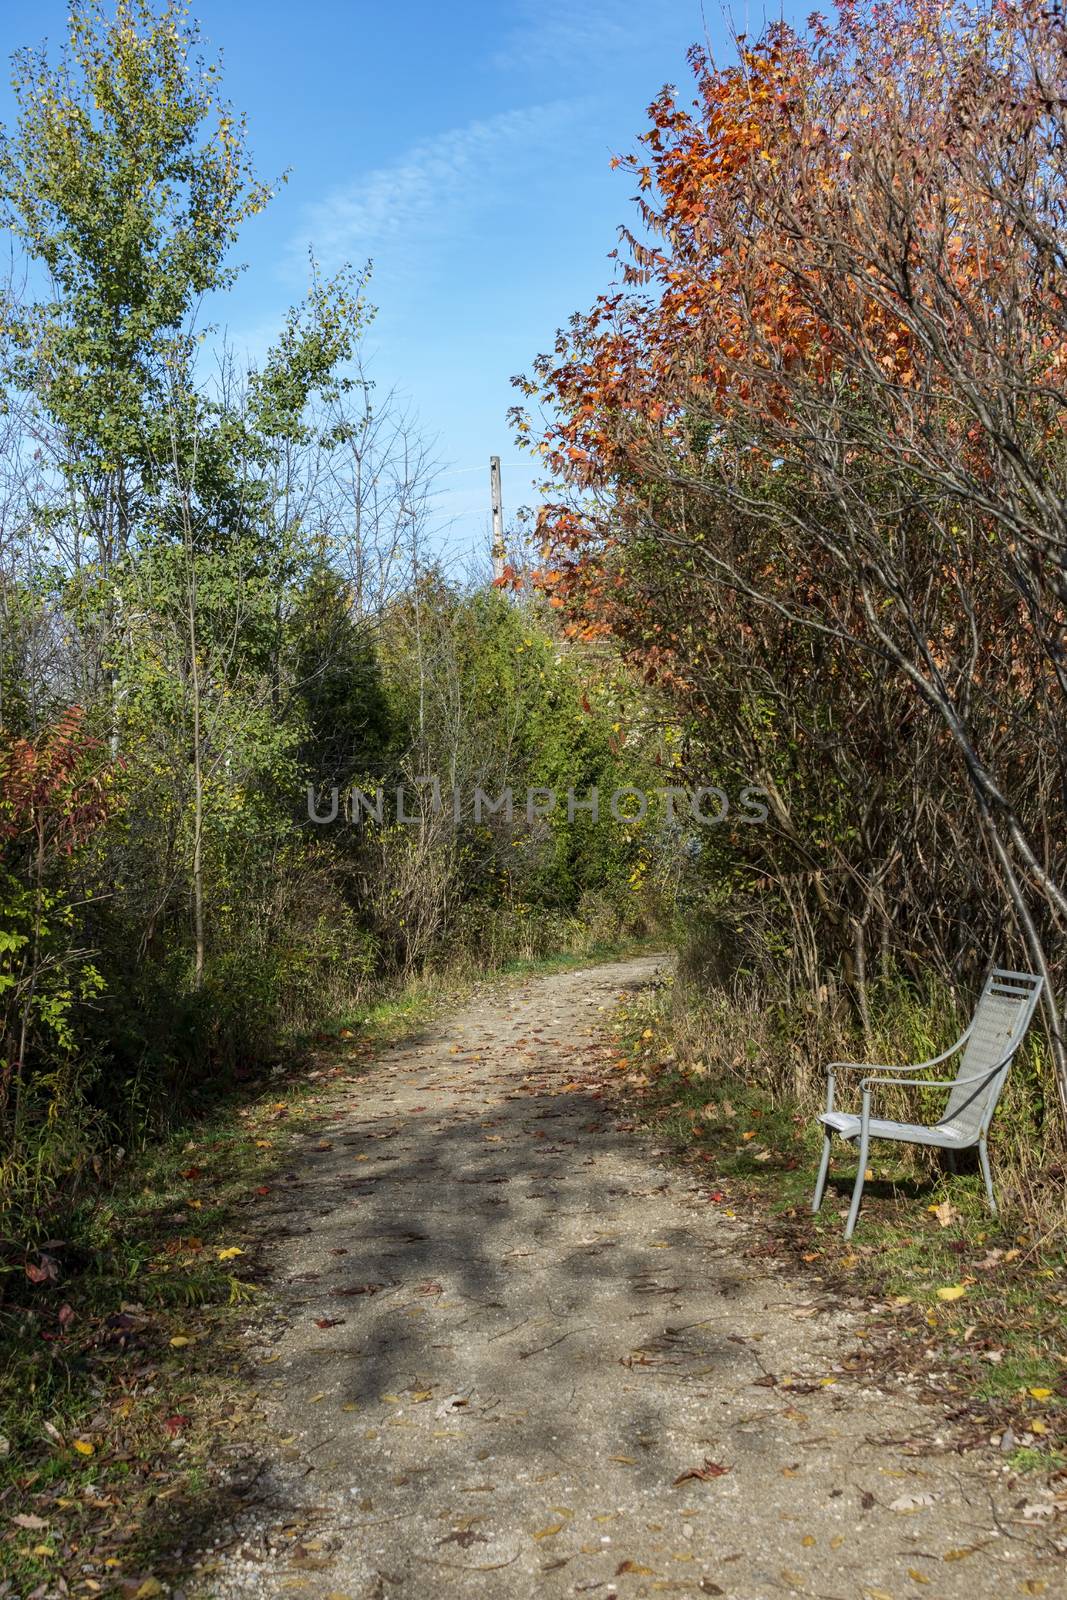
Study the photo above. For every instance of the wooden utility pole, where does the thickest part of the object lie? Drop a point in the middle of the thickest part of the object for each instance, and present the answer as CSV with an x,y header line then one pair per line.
x,y
498,517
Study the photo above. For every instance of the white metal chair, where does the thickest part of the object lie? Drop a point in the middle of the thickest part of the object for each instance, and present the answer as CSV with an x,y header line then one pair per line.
x,y
997,1029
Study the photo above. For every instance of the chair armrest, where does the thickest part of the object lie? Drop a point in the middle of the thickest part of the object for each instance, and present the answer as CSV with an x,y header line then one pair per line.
x,y
920,1066
867,1066
938,1083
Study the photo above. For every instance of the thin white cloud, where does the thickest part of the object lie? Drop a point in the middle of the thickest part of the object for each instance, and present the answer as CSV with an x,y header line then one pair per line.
x,y
432,188
570,34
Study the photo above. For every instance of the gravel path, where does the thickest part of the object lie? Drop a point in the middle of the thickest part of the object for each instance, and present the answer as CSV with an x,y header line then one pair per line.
x,y
501,1332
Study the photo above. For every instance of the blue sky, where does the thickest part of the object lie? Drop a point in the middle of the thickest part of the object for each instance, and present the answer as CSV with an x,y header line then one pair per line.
x,y
466,148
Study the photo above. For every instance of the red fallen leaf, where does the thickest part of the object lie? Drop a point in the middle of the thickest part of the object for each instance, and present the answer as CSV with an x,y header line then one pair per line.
x,y
263,1188
329,1322
193,1172
710,1469
44,1271
176,1423
716,1198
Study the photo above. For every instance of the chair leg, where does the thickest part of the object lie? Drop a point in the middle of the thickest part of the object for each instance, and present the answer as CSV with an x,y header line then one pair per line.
x,y
983,1157
854,1208
824,1167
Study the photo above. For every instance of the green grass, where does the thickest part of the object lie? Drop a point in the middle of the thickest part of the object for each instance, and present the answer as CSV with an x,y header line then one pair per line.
x,y
89,1375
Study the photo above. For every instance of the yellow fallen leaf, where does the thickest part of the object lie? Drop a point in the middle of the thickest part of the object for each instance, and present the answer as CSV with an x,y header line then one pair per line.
x,y
551,1531
916,1576
149,1589
1040,1394
1033,1586
958,1555
808,1540
84,1448
229,1252
180,1339
955,1292
632,1567
750,1135
627,1461
837,1541
876,1594
43,1550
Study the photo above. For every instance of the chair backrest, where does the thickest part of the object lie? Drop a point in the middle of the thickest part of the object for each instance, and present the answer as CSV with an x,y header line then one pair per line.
x,y
1000,1022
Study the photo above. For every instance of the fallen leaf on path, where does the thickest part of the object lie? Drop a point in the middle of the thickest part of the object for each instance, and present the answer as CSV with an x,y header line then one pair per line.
x,y
911,1502
451,1405
329,1322
710,1469
551,1531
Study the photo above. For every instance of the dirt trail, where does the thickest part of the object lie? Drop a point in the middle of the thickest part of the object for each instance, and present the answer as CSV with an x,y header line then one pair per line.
x,y
501,1331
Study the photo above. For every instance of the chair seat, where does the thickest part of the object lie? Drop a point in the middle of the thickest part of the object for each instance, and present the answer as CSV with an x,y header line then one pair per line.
x,y
944,1134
